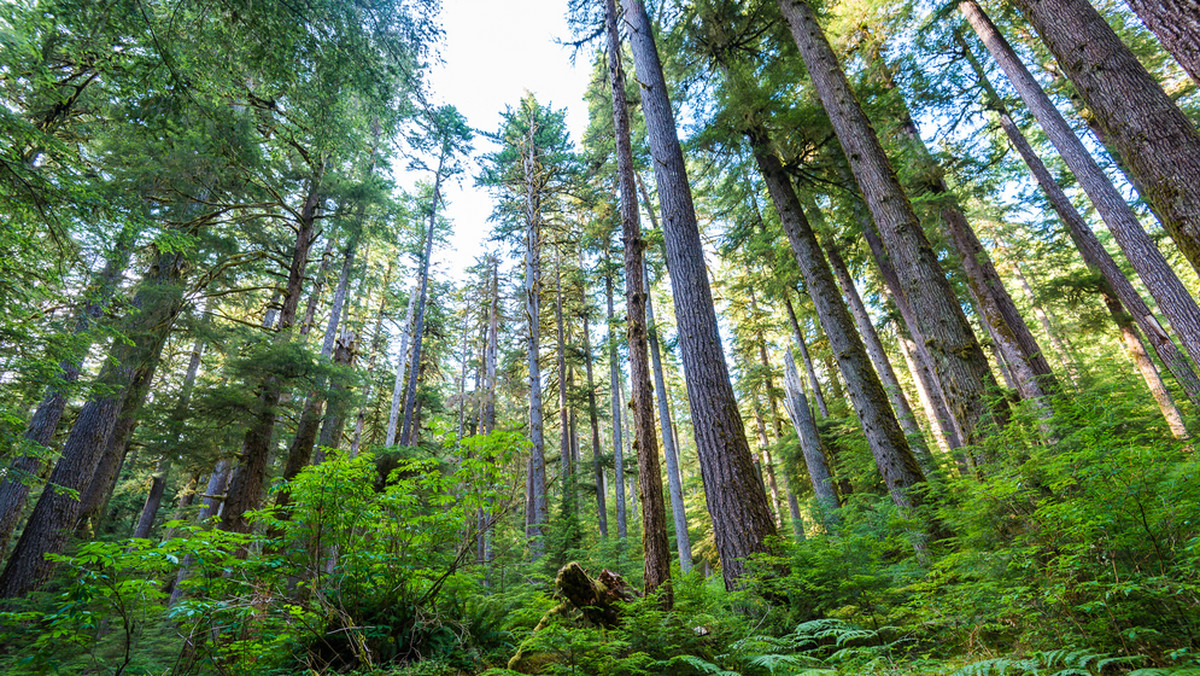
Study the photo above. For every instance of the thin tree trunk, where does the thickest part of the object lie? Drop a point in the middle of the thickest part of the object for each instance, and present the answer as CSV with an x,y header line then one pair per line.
x,y
810,442
883,365
214,497
414,366
1155,139
594,421
802,344
958,359
402,366
564,410
377,346
683,543
159,480
314,296
614,369
655,547
1169,154
538,511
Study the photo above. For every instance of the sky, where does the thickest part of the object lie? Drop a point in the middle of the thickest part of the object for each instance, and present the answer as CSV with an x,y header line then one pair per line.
x,y
493,51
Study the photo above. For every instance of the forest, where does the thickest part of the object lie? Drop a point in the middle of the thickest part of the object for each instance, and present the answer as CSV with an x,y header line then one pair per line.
x,y
851,337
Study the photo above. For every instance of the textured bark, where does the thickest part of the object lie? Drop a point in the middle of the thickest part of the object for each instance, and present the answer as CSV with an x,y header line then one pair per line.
x,y
1173,299
957,358
683,542
889,446
1031,373
246,486
1176,23
1137,352
810,441
537,512
344,353
736,501
802,345
414,366
614,372
655,547
1157,142
866,329
124,381
26,468
766,465
938,412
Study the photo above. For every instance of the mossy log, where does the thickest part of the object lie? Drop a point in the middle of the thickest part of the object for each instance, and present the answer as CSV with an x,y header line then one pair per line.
x,y
597,600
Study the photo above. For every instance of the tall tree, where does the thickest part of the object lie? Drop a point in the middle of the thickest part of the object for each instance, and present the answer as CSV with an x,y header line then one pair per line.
x,y
957,357
1156,141
654,527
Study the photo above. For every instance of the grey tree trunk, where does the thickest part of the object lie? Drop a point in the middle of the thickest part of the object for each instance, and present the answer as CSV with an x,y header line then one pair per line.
x,y
538,512
402,365
810,442
614,371
414,366
594,421
214,496
1176,23
957,357
802,345
683,542
1157,142
564,408
736,501
883,365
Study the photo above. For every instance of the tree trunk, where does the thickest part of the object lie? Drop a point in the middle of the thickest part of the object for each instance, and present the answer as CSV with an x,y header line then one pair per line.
x,y
1109,203
378,342
893,456
957,357
1177,160
1176,23
883,365
398,388
28,467
102,427
1155,139
802,344
614,370
159,481
214,496
594,421
736,501
810,441
564,409
655,547
538,511
248,481
414,366
683,542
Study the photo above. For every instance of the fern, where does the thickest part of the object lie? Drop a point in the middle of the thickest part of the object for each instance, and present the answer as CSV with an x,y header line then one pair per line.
x,y
704,666
1062,662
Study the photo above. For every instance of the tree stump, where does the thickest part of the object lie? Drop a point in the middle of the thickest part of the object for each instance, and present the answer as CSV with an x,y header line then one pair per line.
x,y
597,599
